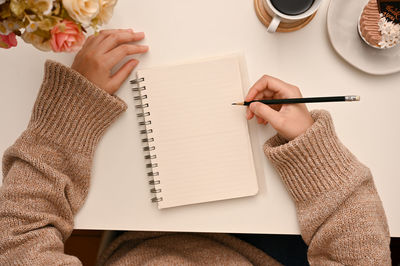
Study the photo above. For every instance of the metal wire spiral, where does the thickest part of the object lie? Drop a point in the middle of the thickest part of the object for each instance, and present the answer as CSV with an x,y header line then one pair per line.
x,y
145,122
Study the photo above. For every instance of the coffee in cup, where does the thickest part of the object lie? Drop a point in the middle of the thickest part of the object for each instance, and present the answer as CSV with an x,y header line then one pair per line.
x,y
289,11
292,8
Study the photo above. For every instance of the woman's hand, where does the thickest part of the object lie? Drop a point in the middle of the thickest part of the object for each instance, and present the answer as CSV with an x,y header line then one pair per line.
x,y
102,52
290,120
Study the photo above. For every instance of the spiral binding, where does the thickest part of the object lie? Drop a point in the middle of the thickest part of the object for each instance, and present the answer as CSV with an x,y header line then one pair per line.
x,y
145,122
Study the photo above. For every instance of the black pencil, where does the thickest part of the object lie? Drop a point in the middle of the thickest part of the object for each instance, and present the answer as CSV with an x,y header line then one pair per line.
x,y
349,98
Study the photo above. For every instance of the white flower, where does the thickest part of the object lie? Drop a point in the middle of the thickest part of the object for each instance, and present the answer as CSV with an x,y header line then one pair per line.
x,y
106,11
390,33
82,11
32,27
8,26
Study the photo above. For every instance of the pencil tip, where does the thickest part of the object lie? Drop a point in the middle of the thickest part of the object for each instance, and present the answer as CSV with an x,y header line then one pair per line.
x,y
233,103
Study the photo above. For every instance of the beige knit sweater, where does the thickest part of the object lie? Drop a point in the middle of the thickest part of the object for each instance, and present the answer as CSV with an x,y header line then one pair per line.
x,y
46,176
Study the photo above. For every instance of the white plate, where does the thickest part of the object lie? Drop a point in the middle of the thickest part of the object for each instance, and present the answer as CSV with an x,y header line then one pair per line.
x,y
342,20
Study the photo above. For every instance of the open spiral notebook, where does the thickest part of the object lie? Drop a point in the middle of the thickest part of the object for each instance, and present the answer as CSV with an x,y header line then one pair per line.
x,y
196,144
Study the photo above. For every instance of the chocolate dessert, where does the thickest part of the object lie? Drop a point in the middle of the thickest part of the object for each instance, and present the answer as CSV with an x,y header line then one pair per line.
x,y
379,24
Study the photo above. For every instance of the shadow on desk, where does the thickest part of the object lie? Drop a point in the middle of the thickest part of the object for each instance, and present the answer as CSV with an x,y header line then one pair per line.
x,y
288,249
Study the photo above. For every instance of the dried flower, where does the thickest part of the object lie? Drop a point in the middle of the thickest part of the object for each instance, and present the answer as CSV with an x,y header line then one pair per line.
x,y
8,41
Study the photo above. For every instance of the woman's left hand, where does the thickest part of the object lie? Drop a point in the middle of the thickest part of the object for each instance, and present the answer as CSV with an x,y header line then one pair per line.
x,y
103,51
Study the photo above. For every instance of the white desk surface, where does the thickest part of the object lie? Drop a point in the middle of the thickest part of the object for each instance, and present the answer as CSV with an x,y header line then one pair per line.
x,y
185,30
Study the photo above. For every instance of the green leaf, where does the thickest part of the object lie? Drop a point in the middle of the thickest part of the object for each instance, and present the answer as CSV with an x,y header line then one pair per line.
x,y
5,11
3,45
47,24
44,34
2,29
17,7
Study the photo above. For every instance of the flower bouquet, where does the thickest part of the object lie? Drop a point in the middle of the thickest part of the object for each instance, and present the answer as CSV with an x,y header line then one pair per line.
x,y
51,25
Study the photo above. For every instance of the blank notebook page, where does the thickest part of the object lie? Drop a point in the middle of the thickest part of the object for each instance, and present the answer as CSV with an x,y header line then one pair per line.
x,y
201,140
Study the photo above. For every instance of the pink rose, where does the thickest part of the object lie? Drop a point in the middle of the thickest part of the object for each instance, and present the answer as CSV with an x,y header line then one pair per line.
x,y
66,36
8,41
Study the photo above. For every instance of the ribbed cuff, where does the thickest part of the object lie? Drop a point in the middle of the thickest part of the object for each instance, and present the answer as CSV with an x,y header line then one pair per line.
x,y
71,111
314,162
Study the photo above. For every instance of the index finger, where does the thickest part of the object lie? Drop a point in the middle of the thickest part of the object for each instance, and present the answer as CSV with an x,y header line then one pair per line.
x,y
115,39
95,39
269,86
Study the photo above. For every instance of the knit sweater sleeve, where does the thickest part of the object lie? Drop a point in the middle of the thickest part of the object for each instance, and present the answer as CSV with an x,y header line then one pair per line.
x,y
46,172
340,214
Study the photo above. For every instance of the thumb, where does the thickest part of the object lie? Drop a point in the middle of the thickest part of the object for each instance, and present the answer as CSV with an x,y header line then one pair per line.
x,y
122,74
264,111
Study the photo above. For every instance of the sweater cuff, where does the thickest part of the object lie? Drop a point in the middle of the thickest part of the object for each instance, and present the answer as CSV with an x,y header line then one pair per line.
x,y
314,162
71,111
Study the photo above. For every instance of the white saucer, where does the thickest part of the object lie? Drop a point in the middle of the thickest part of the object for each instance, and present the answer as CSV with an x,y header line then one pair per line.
x,y
342,21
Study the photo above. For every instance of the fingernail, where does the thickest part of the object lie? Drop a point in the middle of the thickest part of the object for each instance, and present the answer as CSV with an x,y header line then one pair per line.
x,y
140,34
251,106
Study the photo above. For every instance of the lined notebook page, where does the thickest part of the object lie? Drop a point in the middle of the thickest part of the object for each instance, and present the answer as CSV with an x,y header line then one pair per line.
x,y
201,141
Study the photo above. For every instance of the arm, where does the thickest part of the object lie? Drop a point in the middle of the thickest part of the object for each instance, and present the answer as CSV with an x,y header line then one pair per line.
x,y
340,214
46,172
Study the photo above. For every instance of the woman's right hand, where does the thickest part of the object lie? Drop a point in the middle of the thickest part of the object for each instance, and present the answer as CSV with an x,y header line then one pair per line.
x,y
290,120
103,51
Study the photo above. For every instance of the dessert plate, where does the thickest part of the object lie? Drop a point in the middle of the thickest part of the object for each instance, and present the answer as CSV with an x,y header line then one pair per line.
x,y
342,23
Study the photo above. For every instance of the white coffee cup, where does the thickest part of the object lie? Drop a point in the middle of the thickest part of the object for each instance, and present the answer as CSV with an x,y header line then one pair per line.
x,y
278,17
